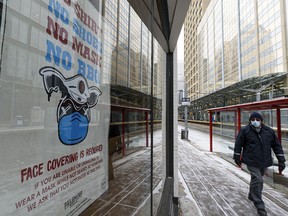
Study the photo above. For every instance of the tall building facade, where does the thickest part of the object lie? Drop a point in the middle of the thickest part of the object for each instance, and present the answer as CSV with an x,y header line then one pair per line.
x,y
194,15
239,40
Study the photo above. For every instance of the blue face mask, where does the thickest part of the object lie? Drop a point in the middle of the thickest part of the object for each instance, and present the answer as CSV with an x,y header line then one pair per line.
x,y
73,128
256,123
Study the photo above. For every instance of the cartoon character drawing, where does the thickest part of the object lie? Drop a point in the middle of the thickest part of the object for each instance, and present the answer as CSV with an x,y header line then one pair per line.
x,y
73,111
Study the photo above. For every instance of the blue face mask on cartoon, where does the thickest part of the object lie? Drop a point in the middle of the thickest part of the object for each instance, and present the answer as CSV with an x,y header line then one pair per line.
x,y
73,128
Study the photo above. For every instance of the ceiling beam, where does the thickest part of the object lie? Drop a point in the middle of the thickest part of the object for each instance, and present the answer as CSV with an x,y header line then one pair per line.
x,y
167,22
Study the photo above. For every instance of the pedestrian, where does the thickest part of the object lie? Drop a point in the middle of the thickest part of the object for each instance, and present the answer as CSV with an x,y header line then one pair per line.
x,y
253,148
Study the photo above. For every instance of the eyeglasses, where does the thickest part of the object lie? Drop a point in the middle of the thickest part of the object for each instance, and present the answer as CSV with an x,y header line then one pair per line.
x,y
255,119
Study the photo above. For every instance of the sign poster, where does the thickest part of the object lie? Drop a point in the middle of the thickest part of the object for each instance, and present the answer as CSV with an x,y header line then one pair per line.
x,y
54,118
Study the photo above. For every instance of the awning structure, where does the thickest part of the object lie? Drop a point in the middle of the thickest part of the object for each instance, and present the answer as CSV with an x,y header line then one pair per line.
x,y
245,91
276,104
168,19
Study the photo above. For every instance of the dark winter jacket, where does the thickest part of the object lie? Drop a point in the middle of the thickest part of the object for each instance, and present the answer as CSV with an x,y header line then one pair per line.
x,y
257,146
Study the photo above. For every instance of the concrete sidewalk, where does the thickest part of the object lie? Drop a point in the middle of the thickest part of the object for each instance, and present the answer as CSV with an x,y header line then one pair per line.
x,y
210,185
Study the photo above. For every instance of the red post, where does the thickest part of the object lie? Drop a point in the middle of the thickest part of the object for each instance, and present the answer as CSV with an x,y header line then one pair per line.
x,y
235,123
278,114
278,117
123,132
146,118
210,125
238,120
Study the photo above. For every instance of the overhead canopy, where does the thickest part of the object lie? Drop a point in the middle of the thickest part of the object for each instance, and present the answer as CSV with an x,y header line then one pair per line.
x,y
258,105
168,19
242,92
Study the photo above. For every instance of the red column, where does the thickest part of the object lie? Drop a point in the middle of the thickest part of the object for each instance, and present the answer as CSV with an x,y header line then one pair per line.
x,y
278,114
238,120
210,125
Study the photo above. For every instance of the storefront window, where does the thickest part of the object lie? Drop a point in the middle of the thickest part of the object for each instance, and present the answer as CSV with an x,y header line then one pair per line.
x,y
75,111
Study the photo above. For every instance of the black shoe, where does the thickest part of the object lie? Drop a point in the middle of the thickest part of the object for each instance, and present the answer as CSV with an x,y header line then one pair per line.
x,y
262,212
250,197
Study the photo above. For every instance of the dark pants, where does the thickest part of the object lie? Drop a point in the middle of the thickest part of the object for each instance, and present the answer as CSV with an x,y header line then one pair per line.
x,y
256,186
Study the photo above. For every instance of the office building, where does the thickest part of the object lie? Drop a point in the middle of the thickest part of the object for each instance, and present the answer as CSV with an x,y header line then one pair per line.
x,y
241,39
191,66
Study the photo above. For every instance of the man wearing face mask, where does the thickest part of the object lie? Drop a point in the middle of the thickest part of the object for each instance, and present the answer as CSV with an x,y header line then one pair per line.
x,y
253,147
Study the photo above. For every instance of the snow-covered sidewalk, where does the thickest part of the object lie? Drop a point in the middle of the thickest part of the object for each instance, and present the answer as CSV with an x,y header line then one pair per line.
x,y
210,185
